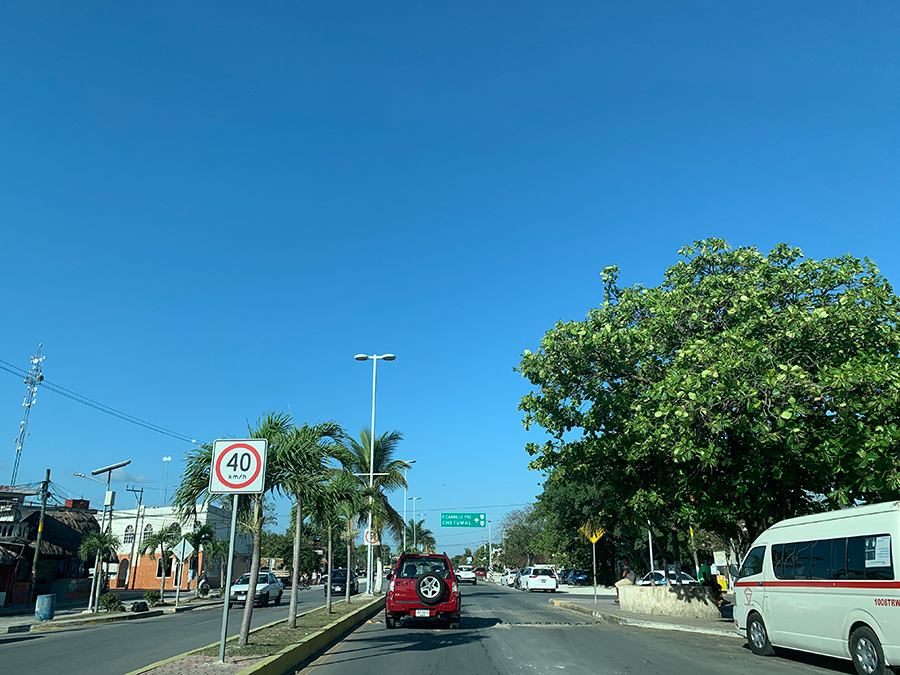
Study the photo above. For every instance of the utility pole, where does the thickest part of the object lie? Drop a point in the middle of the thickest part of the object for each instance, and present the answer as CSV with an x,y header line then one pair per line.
x,y
137,519
40,535
32,380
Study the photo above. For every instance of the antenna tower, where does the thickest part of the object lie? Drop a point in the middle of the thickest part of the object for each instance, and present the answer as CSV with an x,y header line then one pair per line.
x,y
33,379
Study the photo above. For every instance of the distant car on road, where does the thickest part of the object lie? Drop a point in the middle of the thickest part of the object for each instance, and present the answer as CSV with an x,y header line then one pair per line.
x,y
577,578
659,579
510,577
339,582
538,578
268,588
480,572
466,573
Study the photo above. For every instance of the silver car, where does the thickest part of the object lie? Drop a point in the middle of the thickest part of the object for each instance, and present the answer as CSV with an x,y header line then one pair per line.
x,y
268,588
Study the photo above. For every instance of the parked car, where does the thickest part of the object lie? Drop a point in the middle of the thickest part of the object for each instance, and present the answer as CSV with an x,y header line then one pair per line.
x,y
466,573
268,588
423,586
561,575
577,578
510,577
339,582
659,579
538,578
480,572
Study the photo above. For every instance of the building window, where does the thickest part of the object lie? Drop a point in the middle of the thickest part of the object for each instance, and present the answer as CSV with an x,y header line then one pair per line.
x,y
148,532
159,567
129,535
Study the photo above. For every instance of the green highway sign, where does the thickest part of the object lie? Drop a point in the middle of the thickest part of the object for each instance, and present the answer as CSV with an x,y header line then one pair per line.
x,y
463,520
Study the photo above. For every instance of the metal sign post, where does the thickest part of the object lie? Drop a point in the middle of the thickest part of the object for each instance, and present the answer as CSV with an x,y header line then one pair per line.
x,y
182,552
238,467
593,533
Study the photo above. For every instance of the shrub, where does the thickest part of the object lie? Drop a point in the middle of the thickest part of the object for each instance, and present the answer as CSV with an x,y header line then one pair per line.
x,y
203,591
152,597
111,602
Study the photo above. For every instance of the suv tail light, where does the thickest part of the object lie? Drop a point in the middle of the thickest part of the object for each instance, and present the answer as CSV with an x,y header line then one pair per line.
x,y
534,576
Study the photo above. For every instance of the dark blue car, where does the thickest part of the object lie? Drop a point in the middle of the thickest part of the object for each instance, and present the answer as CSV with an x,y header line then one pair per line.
x,y
577,578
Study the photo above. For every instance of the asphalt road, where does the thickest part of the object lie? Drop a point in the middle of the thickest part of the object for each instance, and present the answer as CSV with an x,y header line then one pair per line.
x,y
509,632
120,647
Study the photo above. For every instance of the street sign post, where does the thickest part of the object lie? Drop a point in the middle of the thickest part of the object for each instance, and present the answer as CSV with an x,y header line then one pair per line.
x,y
371,537
238,468
463,520
593,532
182,551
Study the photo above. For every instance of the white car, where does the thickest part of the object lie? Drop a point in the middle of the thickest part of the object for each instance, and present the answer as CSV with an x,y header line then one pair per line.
x,y
659,579
466,573
510,577
268,589
538,578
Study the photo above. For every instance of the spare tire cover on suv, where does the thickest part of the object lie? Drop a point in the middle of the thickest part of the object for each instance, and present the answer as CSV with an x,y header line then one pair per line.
x,y
430,588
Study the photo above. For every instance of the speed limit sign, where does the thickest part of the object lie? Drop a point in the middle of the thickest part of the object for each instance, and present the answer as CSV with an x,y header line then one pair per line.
x,y
238,466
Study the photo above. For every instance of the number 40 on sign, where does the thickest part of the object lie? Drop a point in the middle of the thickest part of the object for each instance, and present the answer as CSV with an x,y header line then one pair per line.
x,y
238,466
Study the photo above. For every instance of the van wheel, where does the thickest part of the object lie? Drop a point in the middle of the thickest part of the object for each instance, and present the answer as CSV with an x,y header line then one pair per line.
x,y
758,638
866,652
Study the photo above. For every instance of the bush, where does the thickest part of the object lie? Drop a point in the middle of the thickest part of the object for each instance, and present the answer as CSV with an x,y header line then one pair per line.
x,y
152,597
111,602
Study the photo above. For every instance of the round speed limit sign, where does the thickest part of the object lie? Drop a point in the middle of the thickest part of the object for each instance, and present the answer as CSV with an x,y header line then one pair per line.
x,y
238,466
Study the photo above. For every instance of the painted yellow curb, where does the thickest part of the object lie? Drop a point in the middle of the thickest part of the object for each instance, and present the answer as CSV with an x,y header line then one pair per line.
x,y
334,631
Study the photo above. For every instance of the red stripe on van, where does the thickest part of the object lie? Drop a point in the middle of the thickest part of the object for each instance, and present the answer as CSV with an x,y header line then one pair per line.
x,y
819,584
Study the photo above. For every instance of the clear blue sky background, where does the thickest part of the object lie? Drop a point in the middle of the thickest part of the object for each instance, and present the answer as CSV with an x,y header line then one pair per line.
x,y
208,208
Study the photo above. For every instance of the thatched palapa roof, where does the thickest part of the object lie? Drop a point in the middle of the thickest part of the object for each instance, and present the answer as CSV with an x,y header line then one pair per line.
x,y
64,530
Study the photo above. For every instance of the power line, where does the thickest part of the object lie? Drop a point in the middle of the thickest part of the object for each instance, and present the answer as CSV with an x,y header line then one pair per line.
x,y
84,400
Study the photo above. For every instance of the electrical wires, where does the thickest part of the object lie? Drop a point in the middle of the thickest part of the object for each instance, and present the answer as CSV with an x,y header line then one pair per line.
x,y
84,400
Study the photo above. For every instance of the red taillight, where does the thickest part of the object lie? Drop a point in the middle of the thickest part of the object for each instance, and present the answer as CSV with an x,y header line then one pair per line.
x,y
534,576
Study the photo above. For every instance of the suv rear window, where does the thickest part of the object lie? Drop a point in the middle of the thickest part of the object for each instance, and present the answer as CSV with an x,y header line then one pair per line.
x,y
543,572
410,568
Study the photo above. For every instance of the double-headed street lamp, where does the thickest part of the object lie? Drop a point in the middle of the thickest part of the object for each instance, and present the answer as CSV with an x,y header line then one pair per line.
x,y
405,487
107,501
370,577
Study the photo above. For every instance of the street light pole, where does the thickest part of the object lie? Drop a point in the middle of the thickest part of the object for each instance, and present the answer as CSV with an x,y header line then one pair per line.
x,y
490,553
405,487
107,501
370,577
413,500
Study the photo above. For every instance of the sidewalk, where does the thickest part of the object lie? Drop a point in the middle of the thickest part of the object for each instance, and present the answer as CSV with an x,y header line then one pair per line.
x,y
607,611
20,619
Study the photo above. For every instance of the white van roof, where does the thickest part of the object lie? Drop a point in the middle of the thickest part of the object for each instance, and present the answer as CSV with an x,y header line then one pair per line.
x,y
839,514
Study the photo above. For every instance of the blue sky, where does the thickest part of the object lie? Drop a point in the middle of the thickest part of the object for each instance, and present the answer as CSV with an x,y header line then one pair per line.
x,y
208,208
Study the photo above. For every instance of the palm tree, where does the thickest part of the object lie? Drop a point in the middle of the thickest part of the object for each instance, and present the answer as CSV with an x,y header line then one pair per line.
x,y
420,535
351,510
100,545
194,487
388,477
326,512
202,537
163,540
301,461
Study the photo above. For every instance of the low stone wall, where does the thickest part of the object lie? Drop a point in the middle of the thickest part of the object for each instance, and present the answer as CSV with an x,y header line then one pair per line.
x,y
691,601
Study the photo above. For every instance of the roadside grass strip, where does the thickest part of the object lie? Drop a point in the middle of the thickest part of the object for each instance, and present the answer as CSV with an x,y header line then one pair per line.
x,y
272,648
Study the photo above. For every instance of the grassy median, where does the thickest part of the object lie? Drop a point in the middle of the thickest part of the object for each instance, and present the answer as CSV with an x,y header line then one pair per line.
x,y
270,640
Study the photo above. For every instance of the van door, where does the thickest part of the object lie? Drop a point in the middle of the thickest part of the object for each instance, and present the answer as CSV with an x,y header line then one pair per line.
x,y
749,589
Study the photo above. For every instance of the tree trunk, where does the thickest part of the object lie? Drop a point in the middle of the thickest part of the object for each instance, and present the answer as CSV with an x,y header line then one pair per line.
x,y
162,575
254,572
295,572
349,544
330,570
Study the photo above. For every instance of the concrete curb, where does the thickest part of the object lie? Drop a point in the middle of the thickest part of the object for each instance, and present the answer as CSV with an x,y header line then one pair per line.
x,y
289,656
605,617
98,618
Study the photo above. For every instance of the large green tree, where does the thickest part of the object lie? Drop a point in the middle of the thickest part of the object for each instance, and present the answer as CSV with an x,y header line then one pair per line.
x,y
744,389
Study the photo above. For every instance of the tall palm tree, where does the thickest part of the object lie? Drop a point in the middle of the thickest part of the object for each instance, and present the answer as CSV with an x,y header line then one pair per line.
x,y
302,464
163,540
194,487
388,477
350,510
420,535
326,512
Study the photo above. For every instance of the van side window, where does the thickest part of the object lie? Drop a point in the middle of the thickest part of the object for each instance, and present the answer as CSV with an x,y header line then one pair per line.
x,y
802,560
869,557
753,563
821,560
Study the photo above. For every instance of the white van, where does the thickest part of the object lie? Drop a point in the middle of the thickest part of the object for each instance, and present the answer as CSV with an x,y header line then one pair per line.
x,y
825,584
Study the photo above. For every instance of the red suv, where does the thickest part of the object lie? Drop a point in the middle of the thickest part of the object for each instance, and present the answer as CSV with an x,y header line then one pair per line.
x,y
422,586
